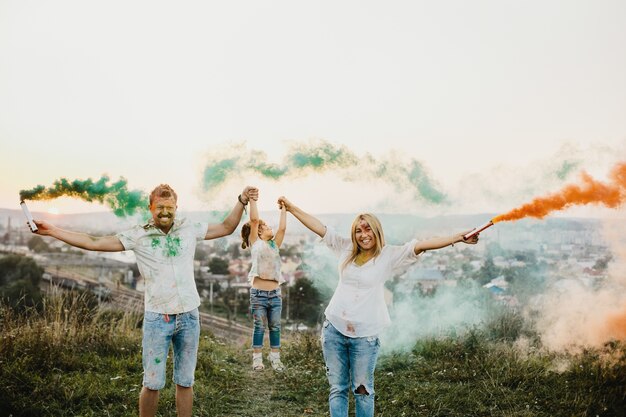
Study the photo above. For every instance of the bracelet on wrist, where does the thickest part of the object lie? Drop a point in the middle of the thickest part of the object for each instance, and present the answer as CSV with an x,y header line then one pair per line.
x,y
242,203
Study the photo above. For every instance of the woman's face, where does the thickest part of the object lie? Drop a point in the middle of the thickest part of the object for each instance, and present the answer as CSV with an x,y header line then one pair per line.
x,y
364,235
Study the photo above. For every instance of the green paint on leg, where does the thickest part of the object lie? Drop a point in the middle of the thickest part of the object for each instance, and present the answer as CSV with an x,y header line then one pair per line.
x,y
157,361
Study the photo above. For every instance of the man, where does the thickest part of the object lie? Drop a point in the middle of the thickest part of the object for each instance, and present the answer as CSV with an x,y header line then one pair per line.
x,y
164,248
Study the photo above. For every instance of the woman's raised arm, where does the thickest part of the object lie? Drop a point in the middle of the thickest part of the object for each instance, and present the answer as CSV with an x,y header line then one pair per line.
x,y
311,222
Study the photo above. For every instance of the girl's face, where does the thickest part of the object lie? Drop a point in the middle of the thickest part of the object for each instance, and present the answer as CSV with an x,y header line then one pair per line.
x,y
364,235
265,232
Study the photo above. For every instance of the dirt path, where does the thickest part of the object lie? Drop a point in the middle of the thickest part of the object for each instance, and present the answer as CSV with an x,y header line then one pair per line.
x,y
270,394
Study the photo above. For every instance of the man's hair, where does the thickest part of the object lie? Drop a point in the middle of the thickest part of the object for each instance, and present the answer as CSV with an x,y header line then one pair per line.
x,y
163,191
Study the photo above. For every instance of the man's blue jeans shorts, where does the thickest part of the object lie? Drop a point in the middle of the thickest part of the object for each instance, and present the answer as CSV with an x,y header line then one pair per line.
x,y
159,331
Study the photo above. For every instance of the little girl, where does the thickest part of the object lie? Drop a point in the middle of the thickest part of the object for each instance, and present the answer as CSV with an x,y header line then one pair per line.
x,y
265,278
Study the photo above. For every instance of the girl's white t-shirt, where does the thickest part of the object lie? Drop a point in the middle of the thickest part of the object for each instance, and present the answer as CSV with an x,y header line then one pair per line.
x,y
357,308
265,261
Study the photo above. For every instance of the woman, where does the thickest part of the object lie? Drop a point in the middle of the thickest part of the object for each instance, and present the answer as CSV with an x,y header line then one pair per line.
x,y
357,312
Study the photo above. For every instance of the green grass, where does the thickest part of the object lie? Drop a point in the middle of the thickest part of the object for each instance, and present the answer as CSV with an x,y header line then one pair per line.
x,y
71,359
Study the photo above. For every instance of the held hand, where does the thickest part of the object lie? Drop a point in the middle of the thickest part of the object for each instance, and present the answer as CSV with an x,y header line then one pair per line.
x,y
284,203
45,228
471,241
250,193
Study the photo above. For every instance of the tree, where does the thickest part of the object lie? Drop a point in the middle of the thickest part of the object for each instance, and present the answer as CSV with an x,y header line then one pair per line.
x,y
218,266
304,302
229,296
526,282
488,271
528,257
233,250
37,244
21,294
289,250
19,281
18,267
602,263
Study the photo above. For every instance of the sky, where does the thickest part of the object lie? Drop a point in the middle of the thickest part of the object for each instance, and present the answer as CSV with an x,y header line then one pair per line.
x,y
494,101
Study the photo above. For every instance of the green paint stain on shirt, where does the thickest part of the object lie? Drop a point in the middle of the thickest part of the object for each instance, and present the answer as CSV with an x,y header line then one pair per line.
x,y
156,242
157,361
172,246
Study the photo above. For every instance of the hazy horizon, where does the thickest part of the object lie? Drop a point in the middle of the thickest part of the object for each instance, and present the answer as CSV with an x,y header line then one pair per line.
x,y
438,108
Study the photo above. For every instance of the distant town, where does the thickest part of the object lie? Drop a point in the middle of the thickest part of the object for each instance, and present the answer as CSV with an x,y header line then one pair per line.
x,y
512,262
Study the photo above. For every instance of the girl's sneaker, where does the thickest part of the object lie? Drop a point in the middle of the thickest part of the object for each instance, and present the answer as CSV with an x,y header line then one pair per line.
x,y
277,365
257,362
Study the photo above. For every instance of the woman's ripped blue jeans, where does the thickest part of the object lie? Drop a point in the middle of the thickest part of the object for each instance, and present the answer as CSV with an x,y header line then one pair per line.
x,y
350,364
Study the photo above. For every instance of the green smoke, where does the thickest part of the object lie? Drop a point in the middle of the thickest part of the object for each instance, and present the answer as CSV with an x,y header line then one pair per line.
x,y
566,168
319,156
423,184
235,160
218,172
117,196
268,170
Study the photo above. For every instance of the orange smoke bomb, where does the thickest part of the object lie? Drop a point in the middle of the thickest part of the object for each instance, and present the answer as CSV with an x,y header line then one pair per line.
x,y
478,230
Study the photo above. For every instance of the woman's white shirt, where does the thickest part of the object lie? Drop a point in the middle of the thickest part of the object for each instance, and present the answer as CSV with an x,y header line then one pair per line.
x,y
357,308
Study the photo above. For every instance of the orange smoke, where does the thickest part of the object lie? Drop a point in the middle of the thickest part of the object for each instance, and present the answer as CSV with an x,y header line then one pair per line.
x,y
611,194
616,325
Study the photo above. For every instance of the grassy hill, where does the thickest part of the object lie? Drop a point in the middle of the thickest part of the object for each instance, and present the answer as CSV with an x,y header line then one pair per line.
x,y
72,359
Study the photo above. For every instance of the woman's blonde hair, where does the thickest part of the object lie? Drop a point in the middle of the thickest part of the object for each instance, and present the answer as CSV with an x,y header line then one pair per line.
x,y
377,229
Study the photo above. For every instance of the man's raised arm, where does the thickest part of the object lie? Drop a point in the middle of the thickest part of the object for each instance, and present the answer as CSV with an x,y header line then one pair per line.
x,y
231,221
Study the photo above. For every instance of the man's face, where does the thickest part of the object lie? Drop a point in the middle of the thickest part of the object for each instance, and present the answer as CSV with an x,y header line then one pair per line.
x,y
163,211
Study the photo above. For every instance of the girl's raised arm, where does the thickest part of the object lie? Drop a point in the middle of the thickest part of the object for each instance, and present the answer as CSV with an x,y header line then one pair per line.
x,y
282,226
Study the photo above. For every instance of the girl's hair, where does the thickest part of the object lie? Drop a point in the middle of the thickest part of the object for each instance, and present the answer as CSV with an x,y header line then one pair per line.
x,y
377,229
245,235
